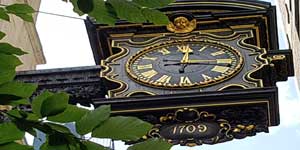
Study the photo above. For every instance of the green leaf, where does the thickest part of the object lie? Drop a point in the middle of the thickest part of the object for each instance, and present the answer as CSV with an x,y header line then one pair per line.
x,y
3,14
46,146
86,6
153,3
9,62
54,104
76,8
71,114
9,133
22,115
58,128
20,8
93,146
7,76
2,35
126,10
15,146
25,17
6,48
151,144
103,13
19,102
16,90
38,101
122,128
92,119
155,16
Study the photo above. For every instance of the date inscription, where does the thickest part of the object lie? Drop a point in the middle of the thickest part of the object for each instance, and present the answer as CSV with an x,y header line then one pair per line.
x,y
196,130
189,128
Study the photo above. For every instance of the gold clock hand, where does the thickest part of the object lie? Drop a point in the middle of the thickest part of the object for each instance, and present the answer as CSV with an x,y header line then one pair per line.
x,y
185,58
197,61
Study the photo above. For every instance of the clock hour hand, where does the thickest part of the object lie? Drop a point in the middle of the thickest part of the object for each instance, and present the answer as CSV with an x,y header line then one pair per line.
x,y
191,61
181,70
196,63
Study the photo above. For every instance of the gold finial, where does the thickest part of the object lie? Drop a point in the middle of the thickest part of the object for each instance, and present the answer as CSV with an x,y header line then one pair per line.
x,y
182,25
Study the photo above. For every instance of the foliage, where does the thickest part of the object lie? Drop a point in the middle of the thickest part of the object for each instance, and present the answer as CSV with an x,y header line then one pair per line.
x,y
109,11
49,117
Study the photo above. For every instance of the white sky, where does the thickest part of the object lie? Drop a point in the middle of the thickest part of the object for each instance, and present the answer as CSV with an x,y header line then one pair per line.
x,y
65,44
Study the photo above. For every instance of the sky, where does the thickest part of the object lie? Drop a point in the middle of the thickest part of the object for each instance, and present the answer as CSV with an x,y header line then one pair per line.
x,y
65,44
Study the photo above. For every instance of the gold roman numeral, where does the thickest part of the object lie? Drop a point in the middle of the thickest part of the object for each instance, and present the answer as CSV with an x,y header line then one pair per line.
x,y
185,49
217,53
148,66
184,81
149,74
224,61
149,58
164,51
164,79
203,48
220,69
206,77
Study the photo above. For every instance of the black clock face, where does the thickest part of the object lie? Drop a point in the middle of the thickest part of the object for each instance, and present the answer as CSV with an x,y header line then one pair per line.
x,y
184,64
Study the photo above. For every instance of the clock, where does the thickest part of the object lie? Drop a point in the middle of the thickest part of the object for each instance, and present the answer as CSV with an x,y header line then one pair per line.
x,y
174,64
187,63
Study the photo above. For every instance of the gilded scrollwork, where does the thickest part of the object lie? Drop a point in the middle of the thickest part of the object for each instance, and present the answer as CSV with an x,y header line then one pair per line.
x,y
182,25
202,128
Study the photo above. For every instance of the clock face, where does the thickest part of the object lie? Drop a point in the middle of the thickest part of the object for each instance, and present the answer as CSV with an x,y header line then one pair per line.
x,y
184,64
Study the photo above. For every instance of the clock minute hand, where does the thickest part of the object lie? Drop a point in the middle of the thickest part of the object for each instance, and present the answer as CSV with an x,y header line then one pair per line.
x,y
189,61
199,61
195,63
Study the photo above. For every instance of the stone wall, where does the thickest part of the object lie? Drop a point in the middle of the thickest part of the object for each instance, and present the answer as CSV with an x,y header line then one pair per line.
x,y
288,17
24,35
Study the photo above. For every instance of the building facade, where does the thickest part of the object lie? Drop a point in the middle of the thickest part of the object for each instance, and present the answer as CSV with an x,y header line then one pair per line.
x,y
291,20
24,35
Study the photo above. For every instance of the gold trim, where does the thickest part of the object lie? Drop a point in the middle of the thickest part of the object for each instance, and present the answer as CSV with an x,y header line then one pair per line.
x,y
155,35
222,3
230,85
225,76
139,91
259,59
248,34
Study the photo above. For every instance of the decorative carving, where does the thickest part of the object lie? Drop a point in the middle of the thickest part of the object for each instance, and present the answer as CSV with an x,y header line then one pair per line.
x,y
82,83
190,127
182,25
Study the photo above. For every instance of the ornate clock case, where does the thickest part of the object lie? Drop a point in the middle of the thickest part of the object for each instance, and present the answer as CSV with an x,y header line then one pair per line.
x,y
207,77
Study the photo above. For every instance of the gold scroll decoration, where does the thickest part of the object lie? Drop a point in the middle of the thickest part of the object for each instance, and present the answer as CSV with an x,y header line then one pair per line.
x,y
182,25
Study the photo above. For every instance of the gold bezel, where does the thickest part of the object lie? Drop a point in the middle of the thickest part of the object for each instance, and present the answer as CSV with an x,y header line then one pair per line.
x,y
225,76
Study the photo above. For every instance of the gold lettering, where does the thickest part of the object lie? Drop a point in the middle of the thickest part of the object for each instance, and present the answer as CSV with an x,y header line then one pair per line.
x,y
149,74
174,130
184,81
181,128
220,69
150,58
202,128
148,66
224,61
217,53
190,128
203,48
164,79
185,49
206,77
164,51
